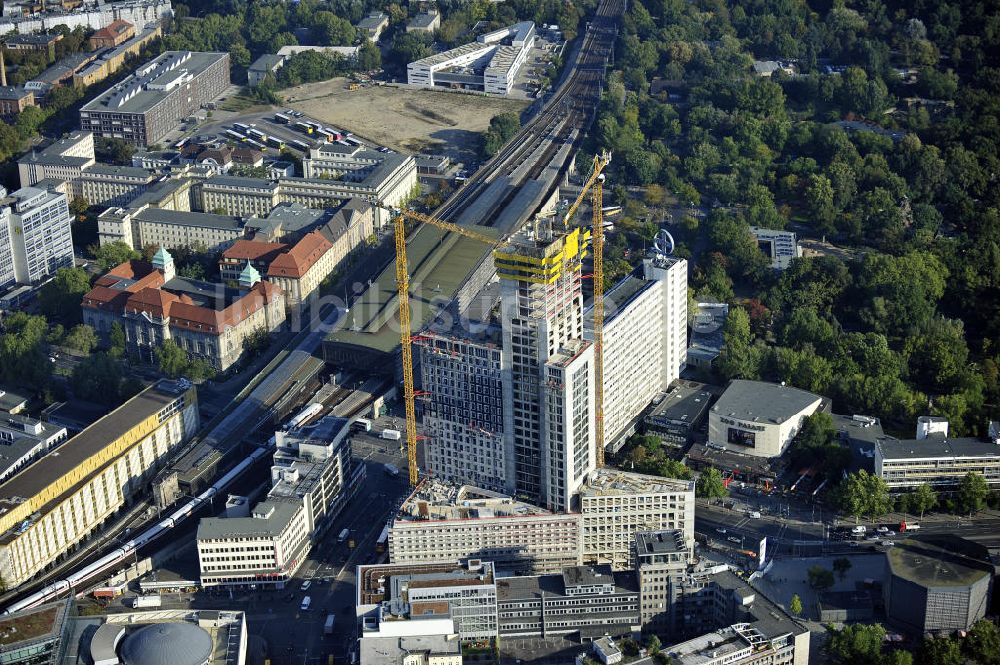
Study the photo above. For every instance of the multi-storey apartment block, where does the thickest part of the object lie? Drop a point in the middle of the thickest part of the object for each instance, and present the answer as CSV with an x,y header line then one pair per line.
x,y
63,160
35,235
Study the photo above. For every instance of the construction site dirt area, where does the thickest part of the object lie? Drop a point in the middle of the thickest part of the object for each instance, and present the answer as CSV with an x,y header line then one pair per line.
x,y
402,118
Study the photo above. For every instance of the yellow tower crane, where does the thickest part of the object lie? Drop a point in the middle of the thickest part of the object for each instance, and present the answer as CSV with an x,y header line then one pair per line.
x,y
405,334
403,287
595,185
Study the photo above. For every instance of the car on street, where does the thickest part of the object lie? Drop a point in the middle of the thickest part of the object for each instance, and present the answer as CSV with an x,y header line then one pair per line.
x,y
883,529
720,530
733,539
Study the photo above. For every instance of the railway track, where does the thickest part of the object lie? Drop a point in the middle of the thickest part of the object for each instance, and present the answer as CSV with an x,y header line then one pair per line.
x,y
569,110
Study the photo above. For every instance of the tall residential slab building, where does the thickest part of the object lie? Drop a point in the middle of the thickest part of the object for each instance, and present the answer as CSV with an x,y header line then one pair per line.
x,y
645,341
35,235
548,367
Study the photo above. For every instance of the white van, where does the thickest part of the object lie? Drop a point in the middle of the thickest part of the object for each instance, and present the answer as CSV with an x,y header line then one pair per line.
x,y
306,602
754,514
859,530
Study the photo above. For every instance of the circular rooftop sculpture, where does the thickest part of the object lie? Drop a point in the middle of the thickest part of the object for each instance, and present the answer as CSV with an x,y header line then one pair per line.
x,y
167,644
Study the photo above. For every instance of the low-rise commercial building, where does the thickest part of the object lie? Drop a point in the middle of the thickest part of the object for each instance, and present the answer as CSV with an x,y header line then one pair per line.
x,y
24,440
442,522
47,509
937,460
760,419
466,593
490,64
145,106
778,246
591,601
36,238
679,413
109,185
312,478
616,505
208,321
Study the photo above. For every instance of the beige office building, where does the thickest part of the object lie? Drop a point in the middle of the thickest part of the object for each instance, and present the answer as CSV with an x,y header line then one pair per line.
x,y
47,509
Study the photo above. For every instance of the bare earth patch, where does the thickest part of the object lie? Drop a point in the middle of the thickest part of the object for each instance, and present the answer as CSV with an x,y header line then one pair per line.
x,y
403,118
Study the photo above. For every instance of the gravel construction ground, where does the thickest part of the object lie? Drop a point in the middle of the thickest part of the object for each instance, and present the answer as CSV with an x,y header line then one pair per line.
x,y
402,118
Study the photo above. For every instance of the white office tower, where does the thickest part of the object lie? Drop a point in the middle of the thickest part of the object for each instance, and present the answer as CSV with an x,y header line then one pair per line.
x,y
645,341
463,412
547,366
35,235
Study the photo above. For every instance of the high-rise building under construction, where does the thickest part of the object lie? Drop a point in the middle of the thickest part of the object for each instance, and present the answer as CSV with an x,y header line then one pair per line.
x,y
513,409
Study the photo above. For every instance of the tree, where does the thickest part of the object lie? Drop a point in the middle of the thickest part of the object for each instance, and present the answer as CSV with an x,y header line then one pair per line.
x,y
795,607
114,253
653,645
820,578
710,485
171,359
81,338
857,644
98,379
502,128
60,298
331,30
22,357
841,565
117,338
922,499
939,651
972,493
113,151
983,642
738,359
862,493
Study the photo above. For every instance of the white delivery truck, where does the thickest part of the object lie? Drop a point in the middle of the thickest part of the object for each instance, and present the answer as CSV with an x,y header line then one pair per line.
x,y
306,602
392,434
328,626
343,535
147,601
391,470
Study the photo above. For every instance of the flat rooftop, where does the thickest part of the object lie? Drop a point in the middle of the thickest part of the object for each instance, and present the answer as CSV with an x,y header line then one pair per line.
x,y
153,82
436,500
613,482
198,219
659,542
936,446
375,581
685,404
761,400
267,520
937,561
87,443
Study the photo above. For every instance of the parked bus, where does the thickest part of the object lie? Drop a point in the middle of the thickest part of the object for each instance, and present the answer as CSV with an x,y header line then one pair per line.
x,y
275,142
256,144
282,118
322,134
304,127
336,133
241,127
257,134
383,540
314,124
343,142
301,145
235,135
352,141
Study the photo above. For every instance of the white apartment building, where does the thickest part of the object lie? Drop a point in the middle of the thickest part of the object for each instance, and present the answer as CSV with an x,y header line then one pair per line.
x,y
616,505
443,522
48,508
312,479
35,235
645,342
63,160
547,379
